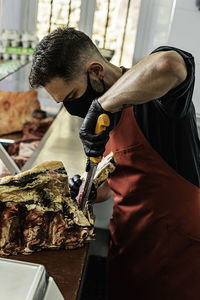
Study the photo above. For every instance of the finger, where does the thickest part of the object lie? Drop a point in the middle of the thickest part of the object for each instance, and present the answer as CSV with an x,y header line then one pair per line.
x,y
90,147
95,145
73,195
71,182
77,179
74,191
91,136
88,125
74,186
97,153
94,152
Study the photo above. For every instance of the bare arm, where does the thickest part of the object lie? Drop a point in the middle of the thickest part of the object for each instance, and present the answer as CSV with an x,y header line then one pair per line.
x,y
149,79
104,192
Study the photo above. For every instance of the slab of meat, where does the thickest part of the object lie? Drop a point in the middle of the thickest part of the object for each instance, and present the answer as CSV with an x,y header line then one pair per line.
x,y
36,212
36,129
19,146
16,109
22,150
27,149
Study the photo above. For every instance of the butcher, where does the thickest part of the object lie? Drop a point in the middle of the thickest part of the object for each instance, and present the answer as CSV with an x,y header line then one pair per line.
x,y
155,228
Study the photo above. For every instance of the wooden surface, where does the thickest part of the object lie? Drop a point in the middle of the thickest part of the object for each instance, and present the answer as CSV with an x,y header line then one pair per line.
x,y
65,266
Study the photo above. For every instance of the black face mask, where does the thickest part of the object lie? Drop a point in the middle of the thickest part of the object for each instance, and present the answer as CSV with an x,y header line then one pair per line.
x,y
79,107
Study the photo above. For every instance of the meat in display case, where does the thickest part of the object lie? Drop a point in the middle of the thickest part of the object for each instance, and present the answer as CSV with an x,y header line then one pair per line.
x,y
25,117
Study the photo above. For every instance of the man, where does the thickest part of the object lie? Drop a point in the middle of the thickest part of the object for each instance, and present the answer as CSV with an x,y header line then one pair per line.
x,y
155,228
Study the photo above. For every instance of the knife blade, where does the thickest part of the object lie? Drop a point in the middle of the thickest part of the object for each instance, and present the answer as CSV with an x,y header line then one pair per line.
x,y
103,122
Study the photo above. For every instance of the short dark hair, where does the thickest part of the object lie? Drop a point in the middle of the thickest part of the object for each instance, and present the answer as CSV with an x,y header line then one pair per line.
x,y
61,53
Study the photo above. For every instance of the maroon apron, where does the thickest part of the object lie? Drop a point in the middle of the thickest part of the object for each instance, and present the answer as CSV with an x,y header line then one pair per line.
x,y
155,228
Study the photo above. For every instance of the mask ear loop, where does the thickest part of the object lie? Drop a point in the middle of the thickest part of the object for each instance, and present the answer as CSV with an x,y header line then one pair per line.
x,y
88,79
104,87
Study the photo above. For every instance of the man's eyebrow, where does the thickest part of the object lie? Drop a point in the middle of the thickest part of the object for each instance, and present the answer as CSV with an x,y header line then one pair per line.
x,y
66,98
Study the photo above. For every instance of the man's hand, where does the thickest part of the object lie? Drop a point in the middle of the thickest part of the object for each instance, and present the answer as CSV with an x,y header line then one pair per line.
x,y
74,185
94,144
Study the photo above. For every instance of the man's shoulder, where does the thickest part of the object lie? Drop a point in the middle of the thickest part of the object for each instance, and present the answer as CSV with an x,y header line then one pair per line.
x,y
185,54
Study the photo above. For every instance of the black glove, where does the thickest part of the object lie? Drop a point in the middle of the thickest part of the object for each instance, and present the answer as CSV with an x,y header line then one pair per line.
x,y
74,185
94,144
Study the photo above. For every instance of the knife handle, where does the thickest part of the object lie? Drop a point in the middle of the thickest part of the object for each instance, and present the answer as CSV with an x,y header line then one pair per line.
x,y
103,121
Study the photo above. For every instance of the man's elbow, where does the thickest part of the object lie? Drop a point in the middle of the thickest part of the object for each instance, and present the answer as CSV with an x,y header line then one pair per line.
x,y
171,62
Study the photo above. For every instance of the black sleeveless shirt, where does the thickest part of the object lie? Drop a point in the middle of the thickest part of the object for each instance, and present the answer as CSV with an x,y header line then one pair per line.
x,y
169,124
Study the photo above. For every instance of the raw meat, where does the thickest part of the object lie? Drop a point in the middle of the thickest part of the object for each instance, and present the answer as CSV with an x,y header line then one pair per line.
x,y
16,109
36,212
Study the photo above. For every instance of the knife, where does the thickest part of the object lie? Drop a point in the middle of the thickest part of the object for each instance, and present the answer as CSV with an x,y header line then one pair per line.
x,y
103,122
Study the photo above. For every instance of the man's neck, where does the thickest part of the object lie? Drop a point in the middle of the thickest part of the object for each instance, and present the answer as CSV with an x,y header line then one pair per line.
x,y
112,74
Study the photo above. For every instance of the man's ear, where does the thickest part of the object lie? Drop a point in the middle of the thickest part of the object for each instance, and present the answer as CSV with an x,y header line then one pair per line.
x,y
96,69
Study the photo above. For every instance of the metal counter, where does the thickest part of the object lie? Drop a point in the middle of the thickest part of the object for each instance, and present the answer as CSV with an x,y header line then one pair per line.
x,y
61,142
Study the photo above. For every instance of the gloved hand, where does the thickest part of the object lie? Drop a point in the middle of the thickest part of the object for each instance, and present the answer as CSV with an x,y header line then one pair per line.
x,y
94,144
74,186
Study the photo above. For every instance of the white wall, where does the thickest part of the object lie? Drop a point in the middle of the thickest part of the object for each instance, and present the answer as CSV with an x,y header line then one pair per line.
x,y
153,26
185,34
170,22
19,15
87,16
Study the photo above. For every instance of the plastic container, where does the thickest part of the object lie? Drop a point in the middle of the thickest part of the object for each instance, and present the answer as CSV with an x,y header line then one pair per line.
x,y
6,56
25,40
4,38
33,40
14,56
14,39
23,58
26,281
